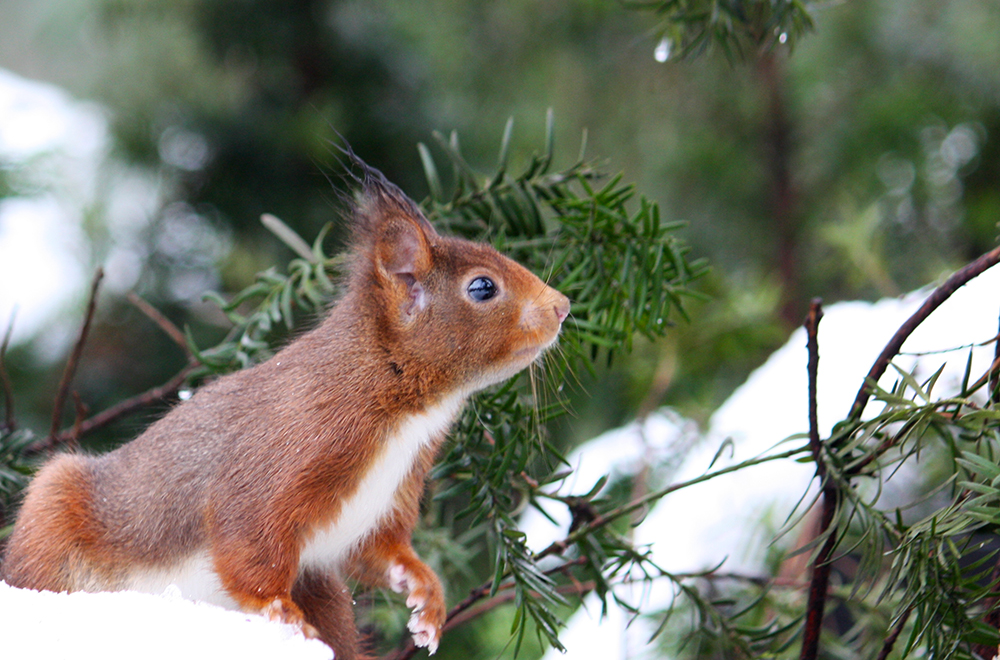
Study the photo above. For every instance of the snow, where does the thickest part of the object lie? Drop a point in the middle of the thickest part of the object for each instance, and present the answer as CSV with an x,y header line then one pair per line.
x,y
731,519
112,626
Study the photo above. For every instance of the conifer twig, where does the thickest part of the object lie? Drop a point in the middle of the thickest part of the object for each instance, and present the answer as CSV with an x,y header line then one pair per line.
x,y
890,641
557,547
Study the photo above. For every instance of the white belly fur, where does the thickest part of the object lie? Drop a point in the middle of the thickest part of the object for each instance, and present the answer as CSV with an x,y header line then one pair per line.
x,y
373,499
195,577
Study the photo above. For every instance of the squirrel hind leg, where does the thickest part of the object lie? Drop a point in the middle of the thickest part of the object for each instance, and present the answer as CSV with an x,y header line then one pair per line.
x,y
55,545
329,607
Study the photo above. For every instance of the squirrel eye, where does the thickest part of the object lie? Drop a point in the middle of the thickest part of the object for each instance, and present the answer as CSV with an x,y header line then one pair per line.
x,y
482,288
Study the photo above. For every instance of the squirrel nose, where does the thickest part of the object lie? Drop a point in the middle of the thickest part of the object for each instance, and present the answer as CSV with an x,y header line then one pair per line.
x,y
561,308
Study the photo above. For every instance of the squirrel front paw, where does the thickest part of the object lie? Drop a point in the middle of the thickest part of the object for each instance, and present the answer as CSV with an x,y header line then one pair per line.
x,y
425,598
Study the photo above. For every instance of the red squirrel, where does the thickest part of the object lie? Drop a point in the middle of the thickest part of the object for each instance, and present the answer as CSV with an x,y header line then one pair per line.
x,y
270,486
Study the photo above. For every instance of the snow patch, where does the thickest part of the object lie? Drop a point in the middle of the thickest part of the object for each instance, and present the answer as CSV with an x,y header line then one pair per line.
x,y
115,626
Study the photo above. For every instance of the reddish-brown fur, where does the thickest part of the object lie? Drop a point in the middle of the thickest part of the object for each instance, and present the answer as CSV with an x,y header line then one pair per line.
x,y
253,467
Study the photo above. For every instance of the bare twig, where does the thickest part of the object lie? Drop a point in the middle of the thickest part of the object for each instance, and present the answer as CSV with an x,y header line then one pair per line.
x,y
812,347
942,293
116,412
159,319
81,414
820,578
9,423
82,427
74,358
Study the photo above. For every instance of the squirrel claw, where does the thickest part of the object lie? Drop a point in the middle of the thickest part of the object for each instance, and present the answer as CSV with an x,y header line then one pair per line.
x,y
424,634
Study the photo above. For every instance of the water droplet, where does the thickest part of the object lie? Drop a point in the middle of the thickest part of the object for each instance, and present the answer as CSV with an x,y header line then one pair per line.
x,y
783,37
662,51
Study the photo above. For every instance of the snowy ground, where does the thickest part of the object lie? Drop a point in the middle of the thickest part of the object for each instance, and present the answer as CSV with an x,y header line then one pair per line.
x,y
115,626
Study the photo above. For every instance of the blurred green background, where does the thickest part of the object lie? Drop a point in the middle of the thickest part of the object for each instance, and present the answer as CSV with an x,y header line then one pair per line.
x,y
862,162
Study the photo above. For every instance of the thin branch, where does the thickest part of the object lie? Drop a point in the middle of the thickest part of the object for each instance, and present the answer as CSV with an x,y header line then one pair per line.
x,y
890,641
942,293
81,414
820,579
82,427
159,319
604,519
505,596
74,358
116,412
9,423
812,347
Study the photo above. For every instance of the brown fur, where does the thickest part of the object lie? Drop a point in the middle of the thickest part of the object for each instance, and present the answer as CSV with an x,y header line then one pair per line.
x,y
256,463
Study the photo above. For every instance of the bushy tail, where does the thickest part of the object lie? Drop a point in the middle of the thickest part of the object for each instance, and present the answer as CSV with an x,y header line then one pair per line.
x,y
56,534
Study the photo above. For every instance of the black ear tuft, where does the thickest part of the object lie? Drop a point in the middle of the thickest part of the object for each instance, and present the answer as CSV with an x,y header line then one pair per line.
x,y
379,197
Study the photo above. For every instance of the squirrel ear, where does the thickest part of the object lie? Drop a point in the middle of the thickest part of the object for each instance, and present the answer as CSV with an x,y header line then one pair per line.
x,y
404,255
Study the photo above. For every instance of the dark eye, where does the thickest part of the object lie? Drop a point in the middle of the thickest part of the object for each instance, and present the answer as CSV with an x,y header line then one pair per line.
x,y
482,288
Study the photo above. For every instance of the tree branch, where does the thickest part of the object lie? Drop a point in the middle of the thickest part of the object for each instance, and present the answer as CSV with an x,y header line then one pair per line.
x,y
820,579
942,293
114,413
153,395
890,641
74,358
159,319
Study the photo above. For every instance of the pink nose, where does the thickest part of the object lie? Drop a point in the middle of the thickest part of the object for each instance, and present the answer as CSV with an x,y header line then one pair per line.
x,y
561,309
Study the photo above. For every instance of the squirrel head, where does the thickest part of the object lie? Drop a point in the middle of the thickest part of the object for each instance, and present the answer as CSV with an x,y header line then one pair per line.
x,y
458,313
